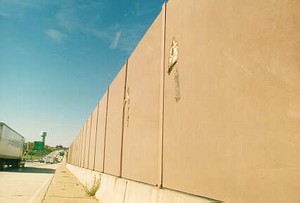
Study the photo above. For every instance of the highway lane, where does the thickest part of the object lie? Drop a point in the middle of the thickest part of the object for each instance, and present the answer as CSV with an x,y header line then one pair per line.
x,y
27,184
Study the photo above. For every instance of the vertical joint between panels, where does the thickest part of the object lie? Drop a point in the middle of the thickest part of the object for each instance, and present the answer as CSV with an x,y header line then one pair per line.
x,y
123,120
90,134
163,92
81,147
96,133
105,129
84,146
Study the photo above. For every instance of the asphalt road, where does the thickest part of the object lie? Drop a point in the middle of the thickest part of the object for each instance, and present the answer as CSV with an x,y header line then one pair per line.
x,y
27,184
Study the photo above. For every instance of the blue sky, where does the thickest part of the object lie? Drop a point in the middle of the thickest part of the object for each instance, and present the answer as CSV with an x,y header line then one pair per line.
x,y
57,58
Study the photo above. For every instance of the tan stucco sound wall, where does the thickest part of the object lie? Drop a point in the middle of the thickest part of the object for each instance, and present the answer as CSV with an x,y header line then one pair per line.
x,y
142,108
73,149
87,142
113,144
80,148
100,137
70,154
83,144
92,148
77,152
234,134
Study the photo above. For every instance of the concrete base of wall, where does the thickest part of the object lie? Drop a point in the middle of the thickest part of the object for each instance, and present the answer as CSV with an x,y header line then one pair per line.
x,y
114,189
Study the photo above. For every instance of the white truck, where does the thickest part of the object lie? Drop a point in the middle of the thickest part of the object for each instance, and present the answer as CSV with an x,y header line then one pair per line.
x,y
49,159
11,147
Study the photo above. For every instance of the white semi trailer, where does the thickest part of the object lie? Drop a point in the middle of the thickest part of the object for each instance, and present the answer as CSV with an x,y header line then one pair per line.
x,y
11,147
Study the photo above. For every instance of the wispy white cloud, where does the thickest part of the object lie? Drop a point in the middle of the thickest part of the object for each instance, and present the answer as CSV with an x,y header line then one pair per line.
x,y
86,19
67,19
130,37
3,15
21,49
55,35
115,42
73,16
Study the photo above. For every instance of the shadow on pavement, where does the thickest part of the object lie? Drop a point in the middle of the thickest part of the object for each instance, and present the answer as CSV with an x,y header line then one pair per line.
x,y
29,170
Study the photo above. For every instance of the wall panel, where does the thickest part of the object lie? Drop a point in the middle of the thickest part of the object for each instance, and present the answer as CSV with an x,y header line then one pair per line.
x,y
113,145
77,163
74,152
78,150
83,140
100,136
87,143
92,148
70,154
142,108
87,134
234,133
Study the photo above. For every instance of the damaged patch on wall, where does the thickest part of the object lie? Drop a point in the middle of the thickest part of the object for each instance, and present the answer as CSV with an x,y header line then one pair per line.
x,y
127,104
173,63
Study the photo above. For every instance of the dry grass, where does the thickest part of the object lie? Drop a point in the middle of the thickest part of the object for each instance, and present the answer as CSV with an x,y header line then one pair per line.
x,y
91,190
